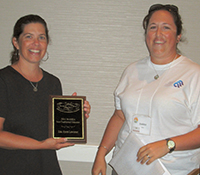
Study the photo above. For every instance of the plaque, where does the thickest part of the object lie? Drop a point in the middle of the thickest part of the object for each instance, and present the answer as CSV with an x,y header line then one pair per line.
x,y
67,118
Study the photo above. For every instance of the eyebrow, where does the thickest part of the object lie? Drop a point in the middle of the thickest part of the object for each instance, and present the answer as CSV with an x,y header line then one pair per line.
x,y
153,23
33,34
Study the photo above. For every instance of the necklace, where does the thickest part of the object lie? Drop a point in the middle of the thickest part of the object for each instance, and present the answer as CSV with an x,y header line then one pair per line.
x,y
157,76
35,87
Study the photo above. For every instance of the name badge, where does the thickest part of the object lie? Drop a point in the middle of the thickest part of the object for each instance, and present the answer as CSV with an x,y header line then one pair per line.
x,y
141,124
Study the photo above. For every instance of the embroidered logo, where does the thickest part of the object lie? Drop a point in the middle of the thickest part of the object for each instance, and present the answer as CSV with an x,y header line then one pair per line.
x,y
178,84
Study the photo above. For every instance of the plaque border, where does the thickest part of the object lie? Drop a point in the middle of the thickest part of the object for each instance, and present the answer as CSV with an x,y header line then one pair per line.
x,y
82,139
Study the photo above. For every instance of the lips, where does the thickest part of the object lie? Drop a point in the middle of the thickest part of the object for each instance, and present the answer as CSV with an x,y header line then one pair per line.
x,y
34,51
159,42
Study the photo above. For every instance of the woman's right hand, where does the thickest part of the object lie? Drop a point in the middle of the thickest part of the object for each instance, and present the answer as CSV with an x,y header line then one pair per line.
x,y
13,141
55,144
99,166
108,142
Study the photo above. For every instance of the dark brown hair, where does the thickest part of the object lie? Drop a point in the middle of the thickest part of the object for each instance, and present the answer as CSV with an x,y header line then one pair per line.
x,y
172,9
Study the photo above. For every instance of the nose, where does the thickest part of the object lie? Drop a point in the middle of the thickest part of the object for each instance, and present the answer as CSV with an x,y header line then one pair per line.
x,y
158,31
36,41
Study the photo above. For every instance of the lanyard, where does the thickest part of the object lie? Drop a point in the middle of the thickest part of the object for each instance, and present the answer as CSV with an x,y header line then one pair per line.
x,y
153,94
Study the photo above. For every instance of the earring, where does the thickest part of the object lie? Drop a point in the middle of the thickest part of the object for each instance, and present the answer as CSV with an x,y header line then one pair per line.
x,y
17,55
47,53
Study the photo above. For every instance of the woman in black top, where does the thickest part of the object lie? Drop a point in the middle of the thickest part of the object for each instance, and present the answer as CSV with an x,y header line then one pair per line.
x,y
25,148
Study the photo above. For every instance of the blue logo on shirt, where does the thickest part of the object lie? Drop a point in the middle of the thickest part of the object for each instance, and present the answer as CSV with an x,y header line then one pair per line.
x,y
178,84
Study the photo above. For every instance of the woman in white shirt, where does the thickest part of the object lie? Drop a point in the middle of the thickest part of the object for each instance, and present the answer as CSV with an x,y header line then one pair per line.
x,y
157,98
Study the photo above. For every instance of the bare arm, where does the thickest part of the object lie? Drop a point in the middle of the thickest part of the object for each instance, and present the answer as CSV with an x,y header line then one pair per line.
x,y
12,141
108,141
158,149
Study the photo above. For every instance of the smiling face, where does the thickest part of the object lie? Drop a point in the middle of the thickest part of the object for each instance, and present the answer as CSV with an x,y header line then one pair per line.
x,y
32,43
161,37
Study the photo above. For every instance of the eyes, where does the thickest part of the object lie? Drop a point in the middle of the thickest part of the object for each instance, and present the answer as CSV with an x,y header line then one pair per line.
x,y
155,27
29,36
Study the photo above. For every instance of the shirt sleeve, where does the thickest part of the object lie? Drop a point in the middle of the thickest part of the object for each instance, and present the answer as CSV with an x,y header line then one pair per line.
x,y
120,88
195,114
117,103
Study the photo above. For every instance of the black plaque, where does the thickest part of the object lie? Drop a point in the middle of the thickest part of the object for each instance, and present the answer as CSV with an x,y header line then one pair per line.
x,y
67,118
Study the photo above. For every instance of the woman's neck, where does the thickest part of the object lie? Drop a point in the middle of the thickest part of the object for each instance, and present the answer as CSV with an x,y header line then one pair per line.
x,y
31,72
161,60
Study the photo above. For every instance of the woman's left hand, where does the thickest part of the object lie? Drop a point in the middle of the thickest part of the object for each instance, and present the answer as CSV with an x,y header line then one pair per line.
x,y
152,151
86,105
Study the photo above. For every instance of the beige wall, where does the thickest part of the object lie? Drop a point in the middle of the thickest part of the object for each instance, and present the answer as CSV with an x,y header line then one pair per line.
x,y
92,42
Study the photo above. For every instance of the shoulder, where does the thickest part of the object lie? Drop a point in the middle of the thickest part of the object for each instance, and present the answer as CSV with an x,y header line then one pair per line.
x,y
8,73
188,70
50,77
52,83
189,65
5,70
133,69
139,64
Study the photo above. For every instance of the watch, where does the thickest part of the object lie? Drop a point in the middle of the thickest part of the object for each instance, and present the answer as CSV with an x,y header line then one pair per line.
x,y
171,145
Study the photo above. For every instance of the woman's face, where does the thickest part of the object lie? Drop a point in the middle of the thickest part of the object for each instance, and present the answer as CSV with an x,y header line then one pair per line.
x,y
161,36
32,43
